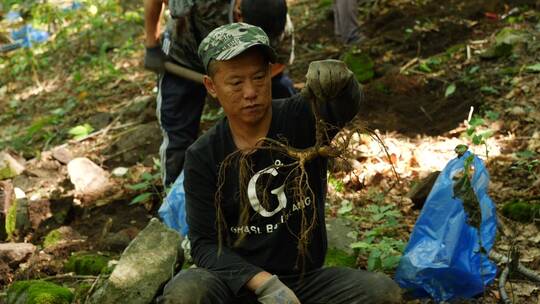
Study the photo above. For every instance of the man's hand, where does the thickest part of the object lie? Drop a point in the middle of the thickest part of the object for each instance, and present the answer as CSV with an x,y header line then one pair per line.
x,y
326,79
154,59
273,291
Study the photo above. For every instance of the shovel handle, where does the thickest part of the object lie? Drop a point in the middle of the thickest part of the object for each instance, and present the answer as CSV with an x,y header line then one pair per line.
x,y
184,72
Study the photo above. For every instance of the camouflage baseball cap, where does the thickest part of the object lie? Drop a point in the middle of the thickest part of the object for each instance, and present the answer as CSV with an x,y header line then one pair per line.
x,y
230,40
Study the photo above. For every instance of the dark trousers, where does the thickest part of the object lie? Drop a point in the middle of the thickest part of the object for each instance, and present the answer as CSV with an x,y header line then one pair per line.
x,y
345,23
179,107
332,285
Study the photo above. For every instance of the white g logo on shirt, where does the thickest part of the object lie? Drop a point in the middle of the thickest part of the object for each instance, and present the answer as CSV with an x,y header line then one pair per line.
x,y
279,192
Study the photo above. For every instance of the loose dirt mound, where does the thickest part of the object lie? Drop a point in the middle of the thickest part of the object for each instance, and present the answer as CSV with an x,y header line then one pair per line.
x,y
408,105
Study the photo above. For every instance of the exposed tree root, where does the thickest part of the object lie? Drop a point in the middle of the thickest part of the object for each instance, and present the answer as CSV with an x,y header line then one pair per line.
x,y
502,282
530,274
327,145
69,275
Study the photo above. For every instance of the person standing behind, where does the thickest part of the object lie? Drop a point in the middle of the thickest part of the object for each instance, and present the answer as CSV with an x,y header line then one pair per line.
x,y
180,102
345,21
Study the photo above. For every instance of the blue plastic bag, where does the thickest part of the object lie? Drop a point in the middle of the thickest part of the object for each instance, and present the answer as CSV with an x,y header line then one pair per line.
x,y
173,209
443,258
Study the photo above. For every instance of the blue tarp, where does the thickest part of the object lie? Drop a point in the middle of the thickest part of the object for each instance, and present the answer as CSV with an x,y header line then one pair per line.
x,y
27,35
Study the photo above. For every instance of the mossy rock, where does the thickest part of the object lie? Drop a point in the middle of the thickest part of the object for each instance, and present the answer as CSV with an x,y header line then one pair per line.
x,y
337,257
497,51
38,292
360,64
17,220
87,264
521,211
52,238
6,172
11,219
61,235
505,40
81,291
510,36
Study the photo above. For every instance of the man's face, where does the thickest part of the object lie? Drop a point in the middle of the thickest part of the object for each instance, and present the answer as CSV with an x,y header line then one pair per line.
x,y
243,87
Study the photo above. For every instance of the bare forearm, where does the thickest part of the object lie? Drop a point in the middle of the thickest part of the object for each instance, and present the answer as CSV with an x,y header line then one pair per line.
x,y
257,280
152,14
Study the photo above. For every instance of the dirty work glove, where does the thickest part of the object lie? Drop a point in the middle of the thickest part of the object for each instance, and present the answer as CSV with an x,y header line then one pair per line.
x,y
273,291
326,79
154,59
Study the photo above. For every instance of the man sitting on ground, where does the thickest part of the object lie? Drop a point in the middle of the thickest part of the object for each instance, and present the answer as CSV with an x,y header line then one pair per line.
x,y
248,229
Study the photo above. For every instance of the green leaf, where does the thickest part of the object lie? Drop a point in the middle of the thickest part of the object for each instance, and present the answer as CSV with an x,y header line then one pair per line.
x,y
424,67
487,134
372,208
139,186
390,262
147,176
477,139
346,207
393,213
451,89
489,90
476,121
492,115
534,68
58,111
474,69
377,217
526,154
141,198
386,208
400,246
157,162
81,131
374,260
360,245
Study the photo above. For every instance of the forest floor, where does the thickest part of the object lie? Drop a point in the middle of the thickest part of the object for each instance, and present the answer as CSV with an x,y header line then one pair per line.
x,y
435,75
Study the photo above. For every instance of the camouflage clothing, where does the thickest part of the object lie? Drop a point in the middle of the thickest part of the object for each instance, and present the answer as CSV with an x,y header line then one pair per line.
x,y
228,41
195,19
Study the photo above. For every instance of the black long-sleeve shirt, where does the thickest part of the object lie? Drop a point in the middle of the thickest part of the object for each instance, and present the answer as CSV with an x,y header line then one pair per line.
x,y
271,234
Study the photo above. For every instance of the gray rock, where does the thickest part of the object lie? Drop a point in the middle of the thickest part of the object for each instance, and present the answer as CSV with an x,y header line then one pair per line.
x,y
90,180
135,145
62,236
338,232
15,253
144,266
420,190
118,241
62,155
46,214
10,166
141,109
100,120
